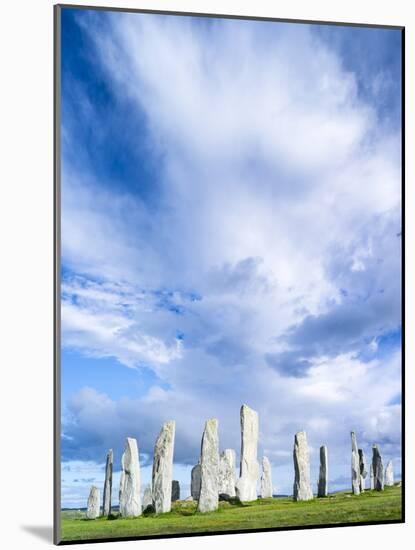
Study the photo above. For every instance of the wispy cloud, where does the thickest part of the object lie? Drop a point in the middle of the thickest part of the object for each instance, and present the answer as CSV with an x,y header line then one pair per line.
x,y
103,320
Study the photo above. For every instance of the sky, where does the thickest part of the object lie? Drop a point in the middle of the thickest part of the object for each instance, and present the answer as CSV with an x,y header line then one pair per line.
x,y
231,233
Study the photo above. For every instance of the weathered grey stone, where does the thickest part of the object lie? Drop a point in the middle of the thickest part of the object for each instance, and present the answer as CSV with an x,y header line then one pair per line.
x,y
163,468
302,488
246,486
377,469
130,497
195,481
106,502
92,510
372,478
389,474
362,484
355,466
122,477
175,490
266,478
209,467
189,499
363,470
147,496
227,472
322,489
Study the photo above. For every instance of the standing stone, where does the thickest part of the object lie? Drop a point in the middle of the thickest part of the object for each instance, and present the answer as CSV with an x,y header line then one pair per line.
x,y
130,497
227,473
389,474
163,468
122,478
209,468
106,503
355,466
266,478
322,490
302,487
363,470
147,496
175,490
377,469
372,478
249,469
92,510
195,482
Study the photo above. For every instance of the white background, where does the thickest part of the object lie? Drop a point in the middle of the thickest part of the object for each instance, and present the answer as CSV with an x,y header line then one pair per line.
x,y
26,206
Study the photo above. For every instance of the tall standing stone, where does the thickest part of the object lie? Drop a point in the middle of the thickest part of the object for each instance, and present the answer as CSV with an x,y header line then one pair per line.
x,y
363,470
227,473
147,496
266,478
209,468
122,478
372,478
92,510
163,468
377,469
322,490
389,474
175,490
302,487
355,466
106,503
130,497
195,480
249,469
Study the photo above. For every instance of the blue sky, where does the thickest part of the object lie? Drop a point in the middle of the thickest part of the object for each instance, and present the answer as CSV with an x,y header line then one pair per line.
x,y
230,233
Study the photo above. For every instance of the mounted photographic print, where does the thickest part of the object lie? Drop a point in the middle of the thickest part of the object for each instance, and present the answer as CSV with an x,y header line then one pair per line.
x,y
229,274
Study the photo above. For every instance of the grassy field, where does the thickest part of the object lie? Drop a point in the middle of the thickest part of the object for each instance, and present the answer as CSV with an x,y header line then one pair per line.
x,y
263,513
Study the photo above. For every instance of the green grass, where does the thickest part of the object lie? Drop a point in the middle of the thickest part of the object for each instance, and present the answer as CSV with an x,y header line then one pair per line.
x,y
372,506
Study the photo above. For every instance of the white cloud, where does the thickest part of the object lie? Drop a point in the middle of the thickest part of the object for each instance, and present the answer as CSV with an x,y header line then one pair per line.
x,y
101,320
263,146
